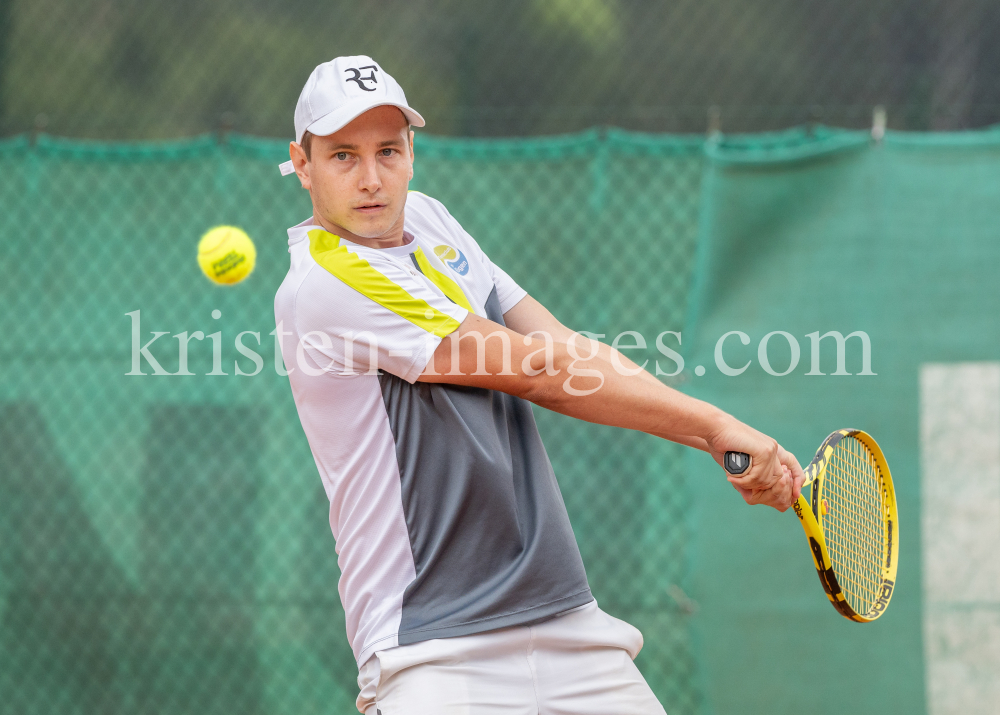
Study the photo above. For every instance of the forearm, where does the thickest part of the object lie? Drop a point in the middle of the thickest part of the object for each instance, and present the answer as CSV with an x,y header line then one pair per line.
x,y
602,392
623,395
625,367
636,399
580,378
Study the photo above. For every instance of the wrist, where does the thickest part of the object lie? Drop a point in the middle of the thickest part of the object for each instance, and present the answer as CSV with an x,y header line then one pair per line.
x,y
714,423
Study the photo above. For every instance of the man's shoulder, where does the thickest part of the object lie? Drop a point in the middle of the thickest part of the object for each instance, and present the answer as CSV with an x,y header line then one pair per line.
x,y
310,283
421,207
419,199
426,216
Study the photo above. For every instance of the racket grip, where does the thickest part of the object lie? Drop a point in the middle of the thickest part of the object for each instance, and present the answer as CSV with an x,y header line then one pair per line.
x,y
736,462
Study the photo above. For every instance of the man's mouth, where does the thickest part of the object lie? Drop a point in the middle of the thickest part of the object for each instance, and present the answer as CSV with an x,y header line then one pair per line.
x,y
370,207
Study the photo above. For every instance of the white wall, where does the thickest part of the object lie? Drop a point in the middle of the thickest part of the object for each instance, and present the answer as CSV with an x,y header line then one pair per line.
x,y
960,497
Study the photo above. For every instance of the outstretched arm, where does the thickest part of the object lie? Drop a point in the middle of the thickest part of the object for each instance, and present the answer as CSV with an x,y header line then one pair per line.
x,y
584,379
531,316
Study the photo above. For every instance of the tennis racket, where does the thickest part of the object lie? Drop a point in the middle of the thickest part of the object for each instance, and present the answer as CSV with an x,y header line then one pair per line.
x,y
850,520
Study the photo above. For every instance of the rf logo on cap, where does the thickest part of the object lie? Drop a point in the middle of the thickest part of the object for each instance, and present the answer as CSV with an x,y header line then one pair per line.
x,y
361,80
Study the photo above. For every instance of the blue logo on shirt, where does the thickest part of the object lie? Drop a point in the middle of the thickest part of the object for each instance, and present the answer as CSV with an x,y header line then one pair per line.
x,y
455,259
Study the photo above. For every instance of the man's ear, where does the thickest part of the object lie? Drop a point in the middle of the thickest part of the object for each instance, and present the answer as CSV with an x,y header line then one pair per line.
x,y
298,156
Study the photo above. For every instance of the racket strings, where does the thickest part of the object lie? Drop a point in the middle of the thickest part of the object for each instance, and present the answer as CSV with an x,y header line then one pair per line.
x,y
854,523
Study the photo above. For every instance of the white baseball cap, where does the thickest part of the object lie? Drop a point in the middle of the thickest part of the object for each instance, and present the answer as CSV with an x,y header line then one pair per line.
x,y
340,90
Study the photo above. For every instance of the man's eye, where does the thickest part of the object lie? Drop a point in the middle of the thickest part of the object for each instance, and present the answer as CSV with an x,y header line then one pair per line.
x,y
341,156
387,152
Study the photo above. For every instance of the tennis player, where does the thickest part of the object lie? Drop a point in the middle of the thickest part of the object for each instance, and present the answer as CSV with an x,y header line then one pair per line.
x,y
412,359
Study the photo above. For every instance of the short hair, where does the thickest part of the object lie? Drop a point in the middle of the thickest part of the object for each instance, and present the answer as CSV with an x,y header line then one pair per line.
x,y
306,144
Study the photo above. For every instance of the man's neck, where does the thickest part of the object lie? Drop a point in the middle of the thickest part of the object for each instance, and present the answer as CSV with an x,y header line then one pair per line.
x,y
390,239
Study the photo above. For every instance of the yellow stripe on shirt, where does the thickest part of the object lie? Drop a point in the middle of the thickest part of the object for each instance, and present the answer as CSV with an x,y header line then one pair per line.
x,y
449,287
328,251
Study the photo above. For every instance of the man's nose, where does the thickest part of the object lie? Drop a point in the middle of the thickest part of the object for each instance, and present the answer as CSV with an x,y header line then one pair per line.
x,y
370,180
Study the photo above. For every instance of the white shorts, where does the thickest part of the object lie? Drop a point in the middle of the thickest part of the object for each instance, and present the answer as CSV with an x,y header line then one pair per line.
x,y
578,663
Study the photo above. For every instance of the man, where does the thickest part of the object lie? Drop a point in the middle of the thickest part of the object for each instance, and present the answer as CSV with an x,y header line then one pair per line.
x,y
413,362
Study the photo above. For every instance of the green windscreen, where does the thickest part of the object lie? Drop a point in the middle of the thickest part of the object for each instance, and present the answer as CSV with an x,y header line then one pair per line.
x,y
164,539
811,235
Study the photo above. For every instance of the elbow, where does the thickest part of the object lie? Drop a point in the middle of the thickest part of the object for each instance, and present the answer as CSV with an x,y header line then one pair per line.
x,y
538,389
545,387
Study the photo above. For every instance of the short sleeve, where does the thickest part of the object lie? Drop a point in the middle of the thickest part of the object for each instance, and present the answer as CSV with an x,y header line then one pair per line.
x,y
508,292
357,313
436,214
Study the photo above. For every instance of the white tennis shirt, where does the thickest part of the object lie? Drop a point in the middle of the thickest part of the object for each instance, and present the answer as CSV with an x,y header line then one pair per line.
x,y
447,516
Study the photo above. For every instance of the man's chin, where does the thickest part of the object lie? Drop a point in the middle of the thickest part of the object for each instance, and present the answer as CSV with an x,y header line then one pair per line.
x,y
371,228
372,233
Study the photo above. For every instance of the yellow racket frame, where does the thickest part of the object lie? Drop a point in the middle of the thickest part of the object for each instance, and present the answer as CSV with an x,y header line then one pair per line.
x,y
811,517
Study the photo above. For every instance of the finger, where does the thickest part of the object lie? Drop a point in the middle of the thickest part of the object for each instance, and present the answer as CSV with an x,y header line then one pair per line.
x,y
775,469
760,477
772,499
754,497
789,460
781,494
779,506
791,464
748,485
797,483
764,468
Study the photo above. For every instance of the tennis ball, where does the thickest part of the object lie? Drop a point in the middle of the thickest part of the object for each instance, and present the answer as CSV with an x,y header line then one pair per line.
x,y
226,255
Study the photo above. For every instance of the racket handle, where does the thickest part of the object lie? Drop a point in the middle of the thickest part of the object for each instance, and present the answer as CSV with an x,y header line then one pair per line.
x,y
736,462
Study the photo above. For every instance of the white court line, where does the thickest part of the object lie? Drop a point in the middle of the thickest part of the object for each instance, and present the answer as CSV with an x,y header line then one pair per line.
x,y
960,529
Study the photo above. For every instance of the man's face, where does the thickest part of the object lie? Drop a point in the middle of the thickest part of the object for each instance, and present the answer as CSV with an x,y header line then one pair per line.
x,y
358,177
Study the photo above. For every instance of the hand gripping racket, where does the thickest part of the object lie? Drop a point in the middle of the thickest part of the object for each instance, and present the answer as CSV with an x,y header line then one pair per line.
x,y
850,521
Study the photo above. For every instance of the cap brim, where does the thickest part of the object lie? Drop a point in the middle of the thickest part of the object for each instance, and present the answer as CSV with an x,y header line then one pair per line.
x,y
337,120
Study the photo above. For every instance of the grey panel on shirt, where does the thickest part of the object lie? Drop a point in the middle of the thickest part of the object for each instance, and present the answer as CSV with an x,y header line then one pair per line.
x,y
491,540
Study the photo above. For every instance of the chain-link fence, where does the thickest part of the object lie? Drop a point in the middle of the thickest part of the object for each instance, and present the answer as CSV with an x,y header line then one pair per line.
x,y
120,69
